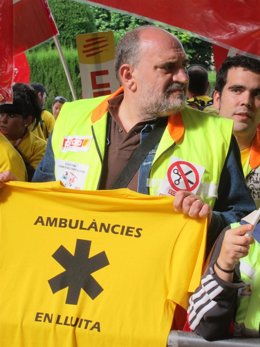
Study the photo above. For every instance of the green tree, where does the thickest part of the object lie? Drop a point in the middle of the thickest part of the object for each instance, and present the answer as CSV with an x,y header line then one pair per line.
x,y
106,20
198,51
72,18
47,69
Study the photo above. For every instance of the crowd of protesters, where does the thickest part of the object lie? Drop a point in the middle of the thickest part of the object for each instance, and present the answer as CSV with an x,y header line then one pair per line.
x,y
158,94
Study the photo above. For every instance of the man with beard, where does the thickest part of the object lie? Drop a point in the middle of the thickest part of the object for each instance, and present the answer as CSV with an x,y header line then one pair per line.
x,y
95,140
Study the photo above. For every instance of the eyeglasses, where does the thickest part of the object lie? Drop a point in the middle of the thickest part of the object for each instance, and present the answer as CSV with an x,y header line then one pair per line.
x,y
60,99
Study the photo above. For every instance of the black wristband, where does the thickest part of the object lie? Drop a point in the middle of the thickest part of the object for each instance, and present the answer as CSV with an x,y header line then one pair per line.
x,y
224,270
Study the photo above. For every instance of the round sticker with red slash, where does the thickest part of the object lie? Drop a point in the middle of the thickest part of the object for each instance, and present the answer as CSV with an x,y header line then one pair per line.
x,y
182,175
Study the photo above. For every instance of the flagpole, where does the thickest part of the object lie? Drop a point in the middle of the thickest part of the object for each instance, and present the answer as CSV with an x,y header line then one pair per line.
x,y
67,73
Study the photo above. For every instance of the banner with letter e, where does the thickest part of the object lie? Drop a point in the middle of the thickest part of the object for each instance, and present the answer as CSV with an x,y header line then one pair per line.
x,y
96,52
93,268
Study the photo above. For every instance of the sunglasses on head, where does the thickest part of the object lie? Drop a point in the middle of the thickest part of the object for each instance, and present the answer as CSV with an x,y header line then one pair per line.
x,y
60,99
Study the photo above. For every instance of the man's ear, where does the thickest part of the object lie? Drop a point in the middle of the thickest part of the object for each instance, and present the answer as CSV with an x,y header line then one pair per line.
x,y
216,99
126,77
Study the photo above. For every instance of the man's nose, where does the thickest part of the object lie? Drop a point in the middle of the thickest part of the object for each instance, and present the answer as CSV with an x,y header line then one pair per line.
x,y
181,76
247,99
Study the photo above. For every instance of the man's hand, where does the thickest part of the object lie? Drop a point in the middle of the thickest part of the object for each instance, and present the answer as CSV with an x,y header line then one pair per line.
x,y
235,245
6,176
191,205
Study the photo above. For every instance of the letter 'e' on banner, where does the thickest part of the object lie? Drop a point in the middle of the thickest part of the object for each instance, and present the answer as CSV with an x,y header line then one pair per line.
x,y
96,52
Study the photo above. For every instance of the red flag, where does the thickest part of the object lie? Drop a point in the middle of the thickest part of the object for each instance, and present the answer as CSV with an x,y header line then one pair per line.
x,y
23,25
235,23
6,50
21,69
33,24
220,55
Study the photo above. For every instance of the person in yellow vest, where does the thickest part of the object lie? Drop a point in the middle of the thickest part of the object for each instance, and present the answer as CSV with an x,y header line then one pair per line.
x,y
14,124
10,159
223,306
196,158
197,95
46,124
93,139
237,96
227,302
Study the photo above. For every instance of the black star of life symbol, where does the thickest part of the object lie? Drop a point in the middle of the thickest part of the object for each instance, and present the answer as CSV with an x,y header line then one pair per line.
x,y
78,271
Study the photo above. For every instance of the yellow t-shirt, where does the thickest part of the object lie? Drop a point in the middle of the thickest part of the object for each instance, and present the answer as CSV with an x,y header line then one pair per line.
x,y
32,148
244,153
44,128
10,160
93,268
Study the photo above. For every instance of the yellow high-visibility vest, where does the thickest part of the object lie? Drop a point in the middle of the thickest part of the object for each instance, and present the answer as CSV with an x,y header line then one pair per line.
x,y
193,144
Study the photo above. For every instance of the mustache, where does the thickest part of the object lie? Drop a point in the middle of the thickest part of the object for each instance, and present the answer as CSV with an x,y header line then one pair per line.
x,y
176,86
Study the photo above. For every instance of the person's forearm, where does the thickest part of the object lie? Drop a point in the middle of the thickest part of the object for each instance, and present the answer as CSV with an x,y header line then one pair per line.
x,y
224,271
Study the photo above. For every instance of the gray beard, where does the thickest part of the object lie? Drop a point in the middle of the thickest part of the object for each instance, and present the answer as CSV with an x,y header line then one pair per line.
x,y
163,109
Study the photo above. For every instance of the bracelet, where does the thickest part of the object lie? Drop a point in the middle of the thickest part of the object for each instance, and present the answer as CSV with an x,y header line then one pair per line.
x,y
224,270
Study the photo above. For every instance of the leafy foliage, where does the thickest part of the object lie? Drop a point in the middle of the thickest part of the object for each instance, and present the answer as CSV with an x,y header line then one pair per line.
x,y
198,51
47,69
72,18
119,23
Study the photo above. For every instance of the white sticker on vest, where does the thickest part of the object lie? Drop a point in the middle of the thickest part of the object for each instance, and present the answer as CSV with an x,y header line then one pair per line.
x,y
76,143
253,183
72,175
181,175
